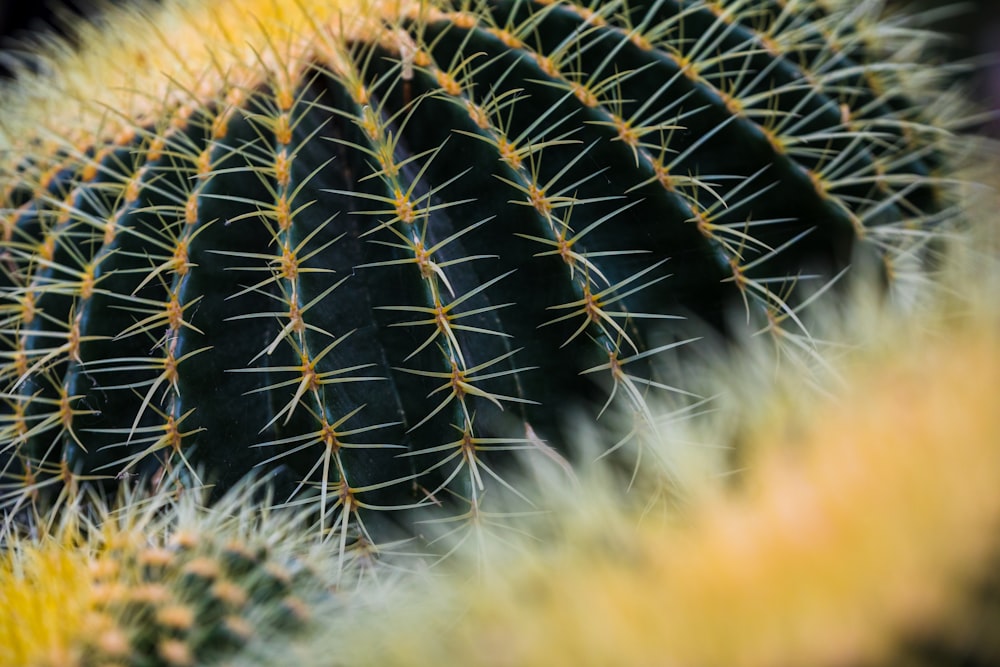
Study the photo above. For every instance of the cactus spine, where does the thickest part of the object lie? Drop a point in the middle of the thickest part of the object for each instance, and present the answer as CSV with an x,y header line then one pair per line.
x,y
167,583
370,249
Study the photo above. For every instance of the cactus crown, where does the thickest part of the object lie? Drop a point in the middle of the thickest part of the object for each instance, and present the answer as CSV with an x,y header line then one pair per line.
x,y
372,247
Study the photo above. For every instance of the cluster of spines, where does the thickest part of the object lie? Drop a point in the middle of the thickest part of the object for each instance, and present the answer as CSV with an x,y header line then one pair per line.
x,y
97,198
191,599
155,202
873,172
165,584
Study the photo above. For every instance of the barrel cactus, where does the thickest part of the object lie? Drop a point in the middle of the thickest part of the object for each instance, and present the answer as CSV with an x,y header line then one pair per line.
x,y
371,249
167,583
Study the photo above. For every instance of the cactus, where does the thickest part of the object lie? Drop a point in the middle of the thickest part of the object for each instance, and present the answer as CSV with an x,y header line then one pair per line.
x,y
370,250
167,583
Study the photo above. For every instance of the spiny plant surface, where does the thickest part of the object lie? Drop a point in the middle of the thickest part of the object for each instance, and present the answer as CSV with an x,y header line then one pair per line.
x,y
372,248
868,540
166,583
866,534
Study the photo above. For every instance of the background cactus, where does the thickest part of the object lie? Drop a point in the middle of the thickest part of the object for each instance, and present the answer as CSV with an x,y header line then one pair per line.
x,y
166,583
372,250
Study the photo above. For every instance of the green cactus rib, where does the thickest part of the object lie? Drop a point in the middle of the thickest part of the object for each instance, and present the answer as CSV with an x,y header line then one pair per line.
x,y
389,266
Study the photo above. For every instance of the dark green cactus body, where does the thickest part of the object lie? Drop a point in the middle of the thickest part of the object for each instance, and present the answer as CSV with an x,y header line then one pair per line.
x,y
387,265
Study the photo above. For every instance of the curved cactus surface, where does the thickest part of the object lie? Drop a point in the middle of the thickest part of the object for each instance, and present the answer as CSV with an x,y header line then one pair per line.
x,y
374,259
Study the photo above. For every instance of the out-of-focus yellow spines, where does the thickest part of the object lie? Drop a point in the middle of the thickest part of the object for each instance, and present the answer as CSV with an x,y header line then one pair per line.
x,y
50,585
862,530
